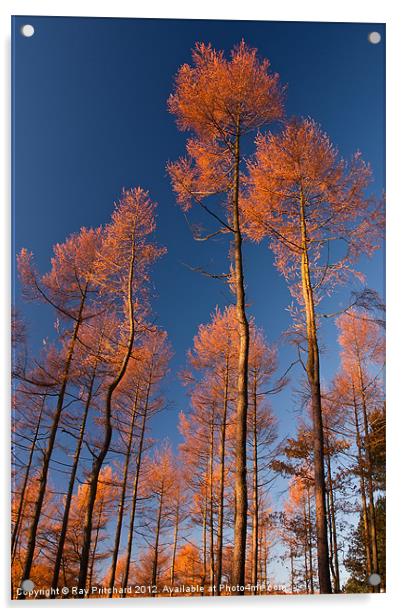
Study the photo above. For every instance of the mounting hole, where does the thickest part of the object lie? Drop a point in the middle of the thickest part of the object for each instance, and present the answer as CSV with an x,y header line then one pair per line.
x,y
27,30
374,579
374,38
28,585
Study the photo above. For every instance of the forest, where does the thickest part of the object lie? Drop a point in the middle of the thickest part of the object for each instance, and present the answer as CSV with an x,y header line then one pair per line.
x,y
103,508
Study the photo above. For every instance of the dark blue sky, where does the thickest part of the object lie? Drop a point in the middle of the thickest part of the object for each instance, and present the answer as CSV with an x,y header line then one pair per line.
x,y
90,118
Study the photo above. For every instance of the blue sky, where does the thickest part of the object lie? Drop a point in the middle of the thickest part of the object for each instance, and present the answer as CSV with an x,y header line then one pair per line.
x,y
90,117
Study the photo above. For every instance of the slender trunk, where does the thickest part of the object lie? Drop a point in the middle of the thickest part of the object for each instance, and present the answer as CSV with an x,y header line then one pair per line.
x,y
18,520
292,573
122,502
240,522
332,519
331,543
63,568
310,542
176,534
260,540
211,501
135,487
369,563
313,375
306,572
204,544
92,565
222,482
97,465
265,580
306,579
369,462
70,489
254,549
156,546
50,446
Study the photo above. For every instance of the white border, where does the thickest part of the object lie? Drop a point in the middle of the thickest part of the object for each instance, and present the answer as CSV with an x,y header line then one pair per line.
x,y
288,10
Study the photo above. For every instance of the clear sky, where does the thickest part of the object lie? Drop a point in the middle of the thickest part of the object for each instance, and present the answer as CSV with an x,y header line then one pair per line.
x,y
90,117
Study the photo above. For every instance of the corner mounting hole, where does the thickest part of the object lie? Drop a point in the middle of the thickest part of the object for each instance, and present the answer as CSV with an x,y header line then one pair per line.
x,y
27,585
374,579
27,30
374,37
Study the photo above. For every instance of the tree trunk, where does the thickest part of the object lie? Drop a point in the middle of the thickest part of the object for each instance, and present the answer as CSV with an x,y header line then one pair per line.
x,y
176,534
122,502
222,482
367,448
50,446
306,570
240,522
310,542
16,529
313,375
260,539
254,547
369,563
265,579
292,573
97,465
306,578
70,489
331,542
92,565
156,546
211,502
204,543
332,517
135,487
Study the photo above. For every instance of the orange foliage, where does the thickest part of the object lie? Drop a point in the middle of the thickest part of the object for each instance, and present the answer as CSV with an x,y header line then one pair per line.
x,y
300,166
361,339
126,237
215,98
71,274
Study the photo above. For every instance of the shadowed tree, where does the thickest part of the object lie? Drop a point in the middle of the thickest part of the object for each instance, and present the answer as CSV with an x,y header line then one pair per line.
x,y
343,395
362,344
336,445
219,101
28,411
122,272
161,480
128,410
188,565
304,198
209,428
103,514
262,430
215,352
180,504
93,358
40,571
67,288
198,454
297,525
156,354
355,558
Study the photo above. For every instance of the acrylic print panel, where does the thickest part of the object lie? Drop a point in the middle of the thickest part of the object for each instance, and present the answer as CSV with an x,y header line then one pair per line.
x,y
198,341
